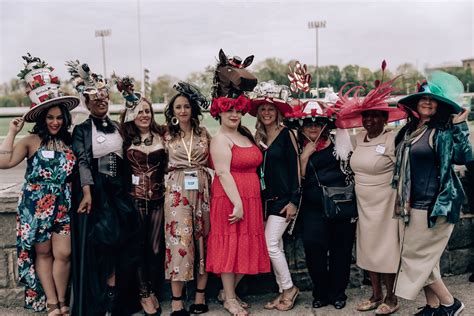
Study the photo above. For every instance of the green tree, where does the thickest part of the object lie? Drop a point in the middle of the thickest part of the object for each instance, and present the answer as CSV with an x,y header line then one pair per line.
x,y
162,89
202,80
350,73
406,84
272,69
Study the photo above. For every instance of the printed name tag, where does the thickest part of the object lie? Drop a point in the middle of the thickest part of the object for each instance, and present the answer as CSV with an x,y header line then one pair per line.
x,y
380,149
101,139
191,180
135,180
48,154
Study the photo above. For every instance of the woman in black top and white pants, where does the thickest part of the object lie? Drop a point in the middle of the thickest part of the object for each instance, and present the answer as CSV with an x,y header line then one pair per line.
x,y
279,184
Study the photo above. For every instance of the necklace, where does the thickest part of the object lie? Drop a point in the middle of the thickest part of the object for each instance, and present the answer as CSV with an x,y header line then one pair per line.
x,y
188,151
137,140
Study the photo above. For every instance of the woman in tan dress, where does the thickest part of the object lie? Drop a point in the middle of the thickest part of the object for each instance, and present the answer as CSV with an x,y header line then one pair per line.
x,y
186,197
372,161
378,249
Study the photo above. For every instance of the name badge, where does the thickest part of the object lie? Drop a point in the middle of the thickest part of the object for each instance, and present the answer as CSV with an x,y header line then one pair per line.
x,y
191,180
135,180
101,139
48,154
380,149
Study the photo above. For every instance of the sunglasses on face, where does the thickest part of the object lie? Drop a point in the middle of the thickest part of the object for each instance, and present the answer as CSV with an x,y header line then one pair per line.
x,y
101,94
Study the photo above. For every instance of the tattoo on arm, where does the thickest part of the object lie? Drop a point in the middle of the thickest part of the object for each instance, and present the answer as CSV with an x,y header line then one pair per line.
x,y
4,152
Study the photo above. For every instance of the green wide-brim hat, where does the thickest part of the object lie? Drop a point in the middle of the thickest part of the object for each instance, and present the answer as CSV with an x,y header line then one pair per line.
x,y
443,87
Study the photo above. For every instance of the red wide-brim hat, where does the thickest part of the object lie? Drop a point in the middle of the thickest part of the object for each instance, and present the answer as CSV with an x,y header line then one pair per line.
x,y
280,104
351,117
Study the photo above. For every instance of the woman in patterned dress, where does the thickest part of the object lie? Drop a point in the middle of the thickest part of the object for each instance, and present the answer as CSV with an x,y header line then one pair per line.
x,y
186,198
43,223
43,232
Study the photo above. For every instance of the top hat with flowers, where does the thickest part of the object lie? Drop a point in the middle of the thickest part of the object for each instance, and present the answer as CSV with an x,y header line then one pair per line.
x,y
86,82
268,92
441,86
42,88
350,115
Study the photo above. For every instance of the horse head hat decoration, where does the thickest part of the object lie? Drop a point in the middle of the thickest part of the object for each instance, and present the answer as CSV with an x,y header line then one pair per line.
x,y
231,78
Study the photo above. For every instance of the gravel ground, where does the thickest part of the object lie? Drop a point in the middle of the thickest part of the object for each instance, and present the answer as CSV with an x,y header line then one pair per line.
x,y
458,285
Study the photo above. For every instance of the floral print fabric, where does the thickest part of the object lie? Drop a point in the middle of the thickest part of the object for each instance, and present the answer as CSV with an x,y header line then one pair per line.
x,y
186,211
43,209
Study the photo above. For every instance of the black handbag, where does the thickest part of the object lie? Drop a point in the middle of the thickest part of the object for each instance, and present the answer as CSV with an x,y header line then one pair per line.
x,y
338,202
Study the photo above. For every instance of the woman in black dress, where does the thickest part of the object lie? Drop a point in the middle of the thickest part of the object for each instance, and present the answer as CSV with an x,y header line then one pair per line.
x,y
105,225
327,242
146,158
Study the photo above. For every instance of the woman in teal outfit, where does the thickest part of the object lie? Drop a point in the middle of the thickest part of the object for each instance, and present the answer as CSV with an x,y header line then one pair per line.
x,y
43,231
429,194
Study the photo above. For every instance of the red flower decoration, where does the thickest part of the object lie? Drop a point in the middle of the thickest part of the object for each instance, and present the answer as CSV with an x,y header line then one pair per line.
x,y
224,104
182,252
384,65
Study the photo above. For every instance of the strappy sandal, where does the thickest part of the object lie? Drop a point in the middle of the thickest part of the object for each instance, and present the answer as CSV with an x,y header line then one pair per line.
x,y
385,309
234,308
148,294
64,308
368,305
52,307
272,304
288,303
182,311
221,299
199,308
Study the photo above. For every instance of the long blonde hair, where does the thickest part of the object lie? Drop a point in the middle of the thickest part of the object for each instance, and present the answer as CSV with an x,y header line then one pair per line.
x,y
260,133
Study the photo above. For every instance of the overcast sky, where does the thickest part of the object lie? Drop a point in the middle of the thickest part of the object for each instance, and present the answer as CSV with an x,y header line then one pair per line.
x,y
179,37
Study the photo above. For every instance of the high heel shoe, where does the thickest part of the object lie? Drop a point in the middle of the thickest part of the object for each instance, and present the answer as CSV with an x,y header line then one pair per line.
x,y
110,300
182,311
148,294
199,308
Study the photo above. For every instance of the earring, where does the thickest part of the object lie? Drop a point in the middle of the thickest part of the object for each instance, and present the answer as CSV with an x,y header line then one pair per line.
x,y
174,120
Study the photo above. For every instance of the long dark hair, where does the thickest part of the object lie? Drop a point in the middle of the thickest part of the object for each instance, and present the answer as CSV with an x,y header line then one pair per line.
x,y
130,131
41,129
440,120
196,116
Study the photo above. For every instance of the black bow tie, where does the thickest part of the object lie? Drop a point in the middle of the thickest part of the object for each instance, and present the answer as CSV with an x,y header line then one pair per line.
x,y
104,125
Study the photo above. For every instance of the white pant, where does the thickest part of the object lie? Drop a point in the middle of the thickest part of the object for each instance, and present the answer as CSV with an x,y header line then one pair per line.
x,y
274,230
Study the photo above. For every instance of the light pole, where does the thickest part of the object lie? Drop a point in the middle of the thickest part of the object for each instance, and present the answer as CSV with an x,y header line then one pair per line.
x,y
103,33
140,55
317,25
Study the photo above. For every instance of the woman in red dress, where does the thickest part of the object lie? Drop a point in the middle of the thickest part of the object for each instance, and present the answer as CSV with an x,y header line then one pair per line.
x,y
236,244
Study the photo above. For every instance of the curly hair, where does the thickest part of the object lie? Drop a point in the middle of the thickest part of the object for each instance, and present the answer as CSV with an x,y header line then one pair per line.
x,y
41,129
130,131
196,116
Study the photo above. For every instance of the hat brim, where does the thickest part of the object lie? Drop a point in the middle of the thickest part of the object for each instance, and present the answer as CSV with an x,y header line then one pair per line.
x,y
411,101
281,105
295,123
352,118
70,102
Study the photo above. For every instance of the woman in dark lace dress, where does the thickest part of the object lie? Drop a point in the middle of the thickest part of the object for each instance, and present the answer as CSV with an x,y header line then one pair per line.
x,y
147,159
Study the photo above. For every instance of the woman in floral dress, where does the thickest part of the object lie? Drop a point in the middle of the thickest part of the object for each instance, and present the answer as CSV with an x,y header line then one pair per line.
x,y
43,232
187,197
